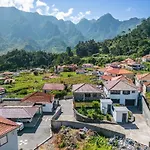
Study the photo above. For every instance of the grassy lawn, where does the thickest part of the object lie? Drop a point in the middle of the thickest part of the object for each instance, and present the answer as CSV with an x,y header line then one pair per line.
x,y
29,83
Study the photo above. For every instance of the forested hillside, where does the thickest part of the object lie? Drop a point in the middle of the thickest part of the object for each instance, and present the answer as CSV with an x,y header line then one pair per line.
x,y
32,32
134,44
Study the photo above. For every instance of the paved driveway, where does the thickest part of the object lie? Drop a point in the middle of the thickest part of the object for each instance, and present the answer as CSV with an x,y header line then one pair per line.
x,y
67,110
29,138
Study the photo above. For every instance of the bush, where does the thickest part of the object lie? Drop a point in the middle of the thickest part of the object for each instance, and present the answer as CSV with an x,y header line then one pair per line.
x,y
108,117
62,145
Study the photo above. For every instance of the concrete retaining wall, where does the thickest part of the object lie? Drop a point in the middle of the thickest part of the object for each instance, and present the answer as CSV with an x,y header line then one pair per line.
x,y
56,125
57,114
146,110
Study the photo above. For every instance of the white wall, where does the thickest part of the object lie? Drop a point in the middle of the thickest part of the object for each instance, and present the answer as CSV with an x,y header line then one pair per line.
x,y
12,143
118,116
104,107
48,107
122,97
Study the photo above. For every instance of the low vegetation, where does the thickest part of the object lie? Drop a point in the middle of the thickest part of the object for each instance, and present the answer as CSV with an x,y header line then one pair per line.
x,y
92,111
28,83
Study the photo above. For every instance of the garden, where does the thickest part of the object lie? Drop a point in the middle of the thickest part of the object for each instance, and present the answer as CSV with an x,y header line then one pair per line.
x,y
92,110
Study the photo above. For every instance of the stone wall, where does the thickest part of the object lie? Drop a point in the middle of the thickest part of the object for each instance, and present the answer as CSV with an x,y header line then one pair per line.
x,y
56,125
146,110
82,118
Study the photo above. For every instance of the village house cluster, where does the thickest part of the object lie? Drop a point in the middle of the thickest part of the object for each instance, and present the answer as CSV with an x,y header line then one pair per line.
x,y
120,88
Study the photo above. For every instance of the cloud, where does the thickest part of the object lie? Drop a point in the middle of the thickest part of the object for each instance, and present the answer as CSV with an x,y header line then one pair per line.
x,y
79,16
25,5
88,12
129,9
40,3
60,14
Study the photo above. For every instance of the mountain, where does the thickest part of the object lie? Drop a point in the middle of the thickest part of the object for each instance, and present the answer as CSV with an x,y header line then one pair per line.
x,y
31,31
106,27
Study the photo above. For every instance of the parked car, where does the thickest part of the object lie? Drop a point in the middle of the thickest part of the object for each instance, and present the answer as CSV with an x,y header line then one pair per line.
x,y
21,126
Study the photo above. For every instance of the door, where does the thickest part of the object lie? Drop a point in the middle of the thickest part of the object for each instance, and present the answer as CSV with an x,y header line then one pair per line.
x,y
124,117
109,109
130,102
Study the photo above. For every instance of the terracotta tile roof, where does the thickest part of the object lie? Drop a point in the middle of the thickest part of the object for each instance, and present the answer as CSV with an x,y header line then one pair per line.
x,y
145,76
13,112
146,56
85,88
106,77
6,126
119,85
118,71
123,78
53,86
39,97
147,84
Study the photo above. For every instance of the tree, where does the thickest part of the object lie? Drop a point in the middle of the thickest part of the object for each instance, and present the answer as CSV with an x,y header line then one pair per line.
x,y
69,52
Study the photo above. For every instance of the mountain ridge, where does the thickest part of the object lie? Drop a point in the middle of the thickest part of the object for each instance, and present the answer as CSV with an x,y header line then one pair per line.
x,y
31,31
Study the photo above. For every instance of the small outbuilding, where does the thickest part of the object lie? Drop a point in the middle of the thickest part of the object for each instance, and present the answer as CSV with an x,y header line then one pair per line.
x,y
106,106
120,114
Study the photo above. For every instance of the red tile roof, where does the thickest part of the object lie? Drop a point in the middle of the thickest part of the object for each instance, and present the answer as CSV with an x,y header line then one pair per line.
x,y
6,126
118,71
142,76
106,77
53,86
39,97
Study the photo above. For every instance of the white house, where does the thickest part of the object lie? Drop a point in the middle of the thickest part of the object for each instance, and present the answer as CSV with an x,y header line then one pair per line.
x,y
8,135
122,92
40,98
105,105
120,114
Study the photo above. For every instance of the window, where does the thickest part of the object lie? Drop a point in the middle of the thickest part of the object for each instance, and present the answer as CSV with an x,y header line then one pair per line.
x,y
114,92
126,92
3,140
116,100
133,91
87,95
94,95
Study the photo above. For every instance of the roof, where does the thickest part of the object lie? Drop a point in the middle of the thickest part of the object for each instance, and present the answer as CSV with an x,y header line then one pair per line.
x,y
146,56
120,85
85,88
145,76
147,84
53,86
106,100
120,108
38,97
123,78
18,112
118,71
106,77
6,126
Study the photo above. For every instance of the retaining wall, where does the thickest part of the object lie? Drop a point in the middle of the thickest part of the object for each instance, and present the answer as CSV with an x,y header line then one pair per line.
x,y
56,125
146,110
82,118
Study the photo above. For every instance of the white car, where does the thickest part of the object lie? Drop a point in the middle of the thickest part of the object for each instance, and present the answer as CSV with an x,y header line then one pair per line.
x,y
21,126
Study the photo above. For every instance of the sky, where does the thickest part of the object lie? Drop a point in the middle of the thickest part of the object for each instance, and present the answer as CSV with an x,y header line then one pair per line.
x,y
75,10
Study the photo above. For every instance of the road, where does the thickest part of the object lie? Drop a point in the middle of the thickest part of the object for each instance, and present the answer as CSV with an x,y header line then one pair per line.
x,y
29,138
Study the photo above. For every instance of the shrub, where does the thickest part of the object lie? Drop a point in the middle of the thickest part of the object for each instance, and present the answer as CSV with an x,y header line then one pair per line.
x,y
62,144
108,117
95,104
